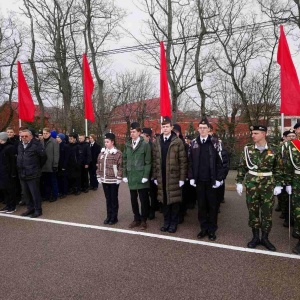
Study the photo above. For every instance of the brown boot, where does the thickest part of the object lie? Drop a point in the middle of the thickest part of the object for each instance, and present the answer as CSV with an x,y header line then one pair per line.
x,y
134,224
143,225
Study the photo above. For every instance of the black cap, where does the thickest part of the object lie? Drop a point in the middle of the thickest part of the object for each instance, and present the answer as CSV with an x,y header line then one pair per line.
x,y
290,131
135,125
110,136
40,131
286,133
166,120
177,127
297,125
147,131
259,127
32,130
204,121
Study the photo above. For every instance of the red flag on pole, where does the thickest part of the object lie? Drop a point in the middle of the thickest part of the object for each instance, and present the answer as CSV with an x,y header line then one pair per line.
x,y
290,89
88,87
26,105
165,105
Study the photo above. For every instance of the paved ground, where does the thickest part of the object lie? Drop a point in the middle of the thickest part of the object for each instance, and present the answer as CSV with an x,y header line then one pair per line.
x,y
44,260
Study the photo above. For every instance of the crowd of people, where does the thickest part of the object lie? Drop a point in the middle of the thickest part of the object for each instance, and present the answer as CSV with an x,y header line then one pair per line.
x,y
163,172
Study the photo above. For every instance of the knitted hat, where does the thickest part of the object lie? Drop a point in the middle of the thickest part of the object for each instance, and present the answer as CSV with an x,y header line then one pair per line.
x,y
61,136
54,134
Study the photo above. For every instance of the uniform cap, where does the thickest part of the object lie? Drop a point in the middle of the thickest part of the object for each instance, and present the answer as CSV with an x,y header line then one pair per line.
x,y
166,120
147,131
297,125
259,127
135,125
177,127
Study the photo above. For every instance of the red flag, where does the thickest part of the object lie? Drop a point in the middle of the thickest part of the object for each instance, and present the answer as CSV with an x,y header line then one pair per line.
x,y
290,89
165,105
88,87
26,105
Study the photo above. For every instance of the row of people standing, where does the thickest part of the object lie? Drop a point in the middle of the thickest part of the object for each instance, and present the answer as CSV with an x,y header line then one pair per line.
x,y
66,165
165,163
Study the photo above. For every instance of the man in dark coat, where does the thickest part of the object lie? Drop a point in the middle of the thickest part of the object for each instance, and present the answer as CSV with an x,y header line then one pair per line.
x,y
62,174
74,165
169,166
31,157
8,173
85,158
206,173
95,150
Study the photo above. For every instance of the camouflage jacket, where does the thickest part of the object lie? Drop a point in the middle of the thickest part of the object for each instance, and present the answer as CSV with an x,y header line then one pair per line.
x,y
291,163
270,160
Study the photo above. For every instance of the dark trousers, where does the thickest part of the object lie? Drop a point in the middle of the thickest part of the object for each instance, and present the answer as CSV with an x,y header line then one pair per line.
x,y
112,202
84,178
207,206
31,193
154,204
50,185
9,197
93,177
144,199
75,184
171,213
62,180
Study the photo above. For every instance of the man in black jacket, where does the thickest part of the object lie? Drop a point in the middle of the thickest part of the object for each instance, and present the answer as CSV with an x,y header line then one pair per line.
x,y
205,172
31,157
8,173
85,158
95,150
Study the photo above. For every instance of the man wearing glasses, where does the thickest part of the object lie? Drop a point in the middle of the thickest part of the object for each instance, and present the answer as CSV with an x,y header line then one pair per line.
x,y
31,157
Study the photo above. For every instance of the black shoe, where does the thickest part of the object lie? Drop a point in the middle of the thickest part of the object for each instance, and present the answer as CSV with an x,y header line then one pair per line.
x,y
212,236
63,196
113,222
22,203
4,209
172,229
255,240
203,233
94,188
27,212
11,210
164,228
77,193
86,190
151,216
286,223
53,200
106,221
265,242
296,250
282,216
36,215
223,201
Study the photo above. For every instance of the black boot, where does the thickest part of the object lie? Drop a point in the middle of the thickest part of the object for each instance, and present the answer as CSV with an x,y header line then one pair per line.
x,y
297,248
255,241
265,242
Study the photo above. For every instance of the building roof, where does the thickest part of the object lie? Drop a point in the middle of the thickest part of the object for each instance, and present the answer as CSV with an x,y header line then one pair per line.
x,y
37,111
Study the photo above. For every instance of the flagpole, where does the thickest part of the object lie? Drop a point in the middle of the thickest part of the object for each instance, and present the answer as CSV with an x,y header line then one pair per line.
x,y
20,123
86,127
282,124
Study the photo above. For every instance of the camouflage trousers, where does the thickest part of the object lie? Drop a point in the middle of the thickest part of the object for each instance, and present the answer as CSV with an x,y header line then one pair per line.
x,y
283,201
260,202
296,203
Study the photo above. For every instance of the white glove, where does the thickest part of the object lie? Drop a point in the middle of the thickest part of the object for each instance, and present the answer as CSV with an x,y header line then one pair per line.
x,y
119,181
277,190
125,179
239,188
192,182
288,189
218,184
222,182
155,181
144,180
181,183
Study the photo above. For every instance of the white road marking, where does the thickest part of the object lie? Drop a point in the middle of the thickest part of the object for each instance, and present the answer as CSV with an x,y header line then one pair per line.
x,y
158,236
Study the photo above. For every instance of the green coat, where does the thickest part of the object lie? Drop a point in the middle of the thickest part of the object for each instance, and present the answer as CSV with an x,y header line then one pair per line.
x,y
137,164
176,169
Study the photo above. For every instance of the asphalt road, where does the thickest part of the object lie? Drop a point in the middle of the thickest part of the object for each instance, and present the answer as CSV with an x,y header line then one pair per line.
x,y
41,259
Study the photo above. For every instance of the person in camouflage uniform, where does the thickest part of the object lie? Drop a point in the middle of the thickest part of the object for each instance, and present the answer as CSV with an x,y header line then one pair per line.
x,y
261,167
292,179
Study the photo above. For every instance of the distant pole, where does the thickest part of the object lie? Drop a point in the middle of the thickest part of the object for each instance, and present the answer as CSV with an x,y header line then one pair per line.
x,y
20,122
86,127
282,124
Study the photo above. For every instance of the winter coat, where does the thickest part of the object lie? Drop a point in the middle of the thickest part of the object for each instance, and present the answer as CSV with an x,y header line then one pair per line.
x,y
85,153
74,163
215,162
30,160
109,165
137,164
95,150
52,151
64,154
8,166
176,168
